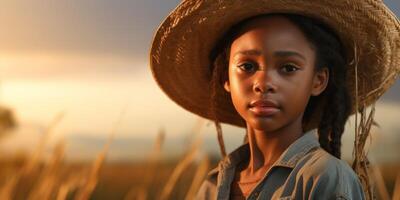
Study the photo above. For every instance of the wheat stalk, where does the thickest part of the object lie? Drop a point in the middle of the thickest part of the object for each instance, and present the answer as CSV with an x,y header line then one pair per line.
x,y
179,169
380,183
154,158
362,132
151,163
75,181
47,181
198,178
361,162
136,194
91,182
140,193
63,192
33,162
7,191
396,189
185,162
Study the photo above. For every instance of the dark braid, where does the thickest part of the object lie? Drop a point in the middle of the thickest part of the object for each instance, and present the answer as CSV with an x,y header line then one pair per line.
x,y
219,74
334,102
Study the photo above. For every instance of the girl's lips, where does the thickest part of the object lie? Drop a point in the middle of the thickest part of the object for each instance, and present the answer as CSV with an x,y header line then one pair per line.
x,y
264,107
264,111
264,103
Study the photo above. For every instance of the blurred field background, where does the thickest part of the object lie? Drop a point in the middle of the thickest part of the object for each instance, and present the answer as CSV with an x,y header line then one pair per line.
x,y
82,118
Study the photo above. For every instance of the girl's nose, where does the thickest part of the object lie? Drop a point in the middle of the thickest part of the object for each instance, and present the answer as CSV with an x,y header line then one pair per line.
x,y
263,82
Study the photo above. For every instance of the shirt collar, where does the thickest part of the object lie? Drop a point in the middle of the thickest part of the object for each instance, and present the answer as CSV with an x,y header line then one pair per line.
x,y
289,158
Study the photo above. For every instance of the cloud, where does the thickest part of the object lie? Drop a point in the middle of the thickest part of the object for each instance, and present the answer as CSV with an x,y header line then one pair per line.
x,y
49,65
122,27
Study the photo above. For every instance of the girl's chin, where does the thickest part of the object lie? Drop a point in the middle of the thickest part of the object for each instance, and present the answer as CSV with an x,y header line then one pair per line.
x,y
263,124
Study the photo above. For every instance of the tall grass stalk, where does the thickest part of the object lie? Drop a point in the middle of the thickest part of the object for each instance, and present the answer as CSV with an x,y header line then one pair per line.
x,y
396,189
362,132
150,170
7,191
74,181
63,192
380,183
48,181
201,171
91,182
33,163
179,169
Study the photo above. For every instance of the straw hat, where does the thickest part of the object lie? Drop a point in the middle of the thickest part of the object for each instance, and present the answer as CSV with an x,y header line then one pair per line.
x,y
179,57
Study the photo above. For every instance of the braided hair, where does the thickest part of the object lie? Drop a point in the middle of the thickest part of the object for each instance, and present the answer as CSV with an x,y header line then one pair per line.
x,y
334,102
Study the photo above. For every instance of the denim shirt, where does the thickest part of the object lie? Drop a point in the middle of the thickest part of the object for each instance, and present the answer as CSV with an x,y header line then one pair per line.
x,y
303,171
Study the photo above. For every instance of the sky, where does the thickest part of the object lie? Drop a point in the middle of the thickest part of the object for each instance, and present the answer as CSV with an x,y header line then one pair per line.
x,y
89,60
121,27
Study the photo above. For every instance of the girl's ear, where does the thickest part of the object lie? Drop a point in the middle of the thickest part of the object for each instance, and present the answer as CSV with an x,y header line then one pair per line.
x,y
227,86
320,81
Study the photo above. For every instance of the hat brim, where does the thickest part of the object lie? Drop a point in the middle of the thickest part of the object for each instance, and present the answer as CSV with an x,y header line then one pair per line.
x,y
179,56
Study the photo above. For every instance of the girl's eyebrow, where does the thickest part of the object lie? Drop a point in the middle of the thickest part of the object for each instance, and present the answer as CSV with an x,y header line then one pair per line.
x,y
257,52
289,53
254,52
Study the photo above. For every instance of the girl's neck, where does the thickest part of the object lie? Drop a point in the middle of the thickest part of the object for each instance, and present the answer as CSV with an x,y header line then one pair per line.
x,y
267,147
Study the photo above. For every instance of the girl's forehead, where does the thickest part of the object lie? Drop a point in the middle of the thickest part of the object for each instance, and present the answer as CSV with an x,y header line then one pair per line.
x,y
272,32
264,22
271,24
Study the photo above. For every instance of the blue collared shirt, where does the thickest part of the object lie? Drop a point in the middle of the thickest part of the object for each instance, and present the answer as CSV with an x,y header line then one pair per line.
x,y
303,171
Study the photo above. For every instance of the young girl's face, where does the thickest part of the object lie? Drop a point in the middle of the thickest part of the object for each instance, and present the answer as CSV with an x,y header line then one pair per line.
x,y
272,73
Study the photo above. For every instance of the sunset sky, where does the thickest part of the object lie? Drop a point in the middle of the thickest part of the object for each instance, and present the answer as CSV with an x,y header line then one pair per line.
x,y
88,59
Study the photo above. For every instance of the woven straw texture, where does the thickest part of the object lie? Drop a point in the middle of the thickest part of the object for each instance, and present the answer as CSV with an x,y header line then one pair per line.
x,y
179,57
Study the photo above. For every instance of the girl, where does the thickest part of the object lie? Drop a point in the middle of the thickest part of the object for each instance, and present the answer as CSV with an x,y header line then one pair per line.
x,y
286,71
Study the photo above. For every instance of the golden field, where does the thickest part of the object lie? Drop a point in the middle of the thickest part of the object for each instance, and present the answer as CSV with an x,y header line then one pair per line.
x,y
24,176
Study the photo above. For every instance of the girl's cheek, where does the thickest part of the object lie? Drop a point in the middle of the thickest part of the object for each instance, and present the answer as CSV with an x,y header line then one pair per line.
x,y
242,88
240,75
240,81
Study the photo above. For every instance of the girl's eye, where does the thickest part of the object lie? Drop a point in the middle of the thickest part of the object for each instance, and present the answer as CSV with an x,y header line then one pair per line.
x,y
247,67
289,68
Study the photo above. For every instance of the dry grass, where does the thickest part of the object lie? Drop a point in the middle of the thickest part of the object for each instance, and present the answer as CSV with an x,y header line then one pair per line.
x,y
48,182
34,179
198,178
92,180
33,163
361,162
380,183
141,191
7,191
184,163
396,189
179,169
